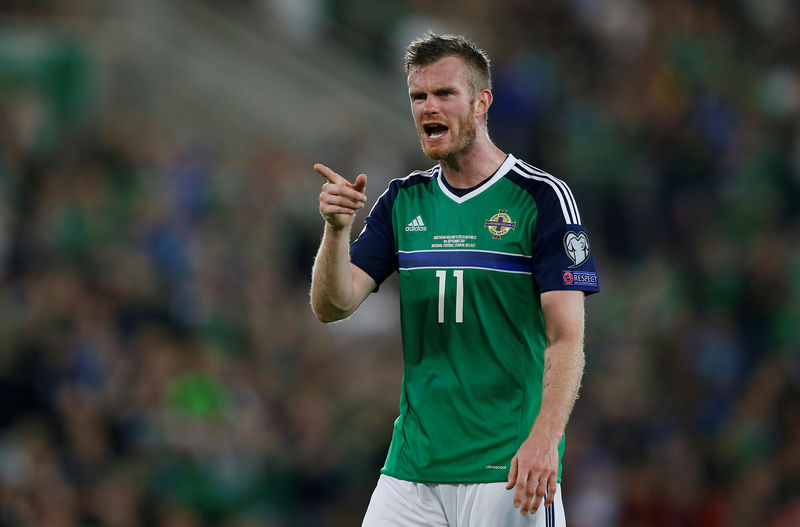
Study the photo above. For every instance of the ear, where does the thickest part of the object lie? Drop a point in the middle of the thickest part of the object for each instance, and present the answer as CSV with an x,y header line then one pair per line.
x,y
482,102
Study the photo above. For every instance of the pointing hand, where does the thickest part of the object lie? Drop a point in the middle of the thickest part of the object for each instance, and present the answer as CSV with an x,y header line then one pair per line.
x,y
340,200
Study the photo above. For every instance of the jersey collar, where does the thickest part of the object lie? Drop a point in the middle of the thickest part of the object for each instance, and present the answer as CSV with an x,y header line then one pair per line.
x,y
499,173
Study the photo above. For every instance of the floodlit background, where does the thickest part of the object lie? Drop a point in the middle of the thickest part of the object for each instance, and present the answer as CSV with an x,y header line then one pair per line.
x,y
159,363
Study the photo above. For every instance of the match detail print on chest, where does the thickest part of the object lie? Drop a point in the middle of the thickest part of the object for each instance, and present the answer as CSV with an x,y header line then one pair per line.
x,y
489,230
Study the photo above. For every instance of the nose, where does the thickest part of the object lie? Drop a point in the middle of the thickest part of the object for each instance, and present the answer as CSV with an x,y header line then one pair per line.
x,y
430,106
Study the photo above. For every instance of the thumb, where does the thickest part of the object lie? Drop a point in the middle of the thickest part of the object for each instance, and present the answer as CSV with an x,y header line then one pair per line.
x,y
512,474
361,183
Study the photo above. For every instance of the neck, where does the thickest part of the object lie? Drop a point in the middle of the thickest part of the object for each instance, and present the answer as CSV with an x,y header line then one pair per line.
x,y
471,166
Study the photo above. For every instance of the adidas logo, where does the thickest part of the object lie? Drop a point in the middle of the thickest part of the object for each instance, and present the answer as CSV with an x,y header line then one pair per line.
x,y
416,225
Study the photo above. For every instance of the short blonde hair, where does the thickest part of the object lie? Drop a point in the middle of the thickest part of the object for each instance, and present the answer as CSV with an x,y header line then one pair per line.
x,y
431,48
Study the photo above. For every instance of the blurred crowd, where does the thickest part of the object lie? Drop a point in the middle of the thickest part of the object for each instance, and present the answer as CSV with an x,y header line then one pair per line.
x,y
160,366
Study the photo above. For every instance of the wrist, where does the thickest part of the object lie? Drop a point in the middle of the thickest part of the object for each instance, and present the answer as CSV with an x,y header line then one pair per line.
x,y
337,228
548,430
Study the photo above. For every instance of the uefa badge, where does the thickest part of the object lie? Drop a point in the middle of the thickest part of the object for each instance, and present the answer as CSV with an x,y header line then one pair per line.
x,y
500,224
577,247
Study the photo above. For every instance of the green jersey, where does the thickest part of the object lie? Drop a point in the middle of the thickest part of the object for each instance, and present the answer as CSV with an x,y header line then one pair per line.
x,y
471,269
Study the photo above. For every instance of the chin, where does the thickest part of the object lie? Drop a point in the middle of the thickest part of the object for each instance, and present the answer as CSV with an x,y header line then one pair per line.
x,y
449,150
437,153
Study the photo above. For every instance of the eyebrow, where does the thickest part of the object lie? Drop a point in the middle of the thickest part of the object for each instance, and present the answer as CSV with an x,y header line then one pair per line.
x,y
438,91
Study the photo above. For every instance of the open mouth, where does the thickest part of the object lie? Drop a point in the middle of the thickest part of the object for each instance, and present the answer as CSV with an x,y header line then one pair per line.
x,y
435,130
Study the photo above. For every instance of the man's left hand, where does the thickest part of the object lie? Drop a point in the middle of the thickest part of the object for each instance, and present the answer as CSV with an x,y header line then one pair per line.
x,y
534,473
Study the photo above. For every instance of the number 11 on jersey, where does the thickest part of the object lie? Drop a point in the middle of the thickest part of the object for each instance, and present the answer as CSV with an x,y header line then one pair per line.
x,y
458,274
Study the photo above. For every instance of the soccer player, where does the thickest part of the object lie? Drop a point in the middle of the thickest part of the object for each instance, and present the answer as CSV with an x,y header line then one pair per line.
x,y
494,264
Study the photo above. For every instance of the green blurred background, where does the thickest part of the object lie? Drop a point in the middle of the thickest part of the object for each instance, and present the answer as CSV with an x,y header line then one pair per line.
x,y
159,363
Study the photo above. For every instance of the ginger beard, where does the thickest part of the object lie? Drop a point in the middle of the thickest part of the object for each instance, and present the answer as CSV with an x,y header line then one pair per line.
x,y
461,137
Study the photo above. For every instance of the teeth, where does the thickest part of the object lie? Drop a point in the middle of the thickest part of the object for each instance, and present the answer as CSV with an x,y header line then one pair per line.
x,y
437,136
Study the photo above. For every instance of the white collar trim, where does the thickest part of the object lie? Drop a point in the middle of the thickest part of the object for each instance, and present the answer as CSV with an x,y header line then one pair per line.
x,y
499,173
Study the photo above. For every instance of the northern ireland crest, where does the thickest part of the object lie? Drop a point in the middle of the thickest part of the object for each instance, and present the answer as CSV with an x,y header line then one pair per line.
x,y
500,224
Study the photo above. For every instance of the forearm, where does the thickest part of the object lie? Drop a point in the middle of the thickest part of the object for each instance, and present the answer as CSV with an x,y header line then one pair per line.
x,y
534,468
563,369
332,292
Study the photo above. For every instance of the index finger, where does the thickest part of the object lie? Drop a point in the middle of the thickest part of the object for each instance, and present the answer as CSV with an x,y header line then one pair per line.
x,y
329,174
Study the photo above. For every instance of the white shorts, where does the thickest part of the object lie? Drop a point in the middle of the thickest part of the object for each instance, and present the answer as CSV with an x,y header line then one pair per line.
x,y
398,503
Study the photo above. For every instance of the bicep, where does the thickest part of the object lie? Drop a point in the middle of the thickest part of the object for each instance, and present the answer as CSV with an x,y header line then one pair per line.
x,y
363,285
563,315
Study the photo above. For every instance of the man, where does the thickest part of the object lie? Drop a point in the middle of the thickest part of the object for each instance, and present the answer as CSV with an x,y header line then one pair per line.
x,y
494,265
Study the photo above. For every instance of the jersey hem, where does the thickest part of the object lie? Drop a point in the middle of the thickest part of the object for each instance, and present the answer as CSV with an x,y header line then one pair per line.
x,y
565,288
448,481
451,481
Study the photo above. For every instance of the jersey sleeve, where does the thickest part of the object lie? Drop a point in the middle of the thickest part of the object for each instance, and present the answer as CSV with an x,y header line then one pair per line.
x,y
562,255
374,251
